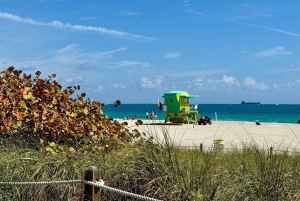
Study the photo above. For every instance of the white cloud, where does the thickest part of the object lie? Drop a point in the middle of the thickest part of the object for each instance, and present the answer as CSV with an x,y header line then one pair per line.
x,y
230,80
252,84
118,86
278,86
272,52
224,83
172,55
196,73
203,65
58,24
77,79
98,89
199,82
146,83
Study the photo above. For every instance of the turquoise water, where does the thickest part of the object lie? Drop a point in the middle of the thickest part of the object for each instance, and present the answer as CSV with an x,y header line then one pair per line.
x,y
227,112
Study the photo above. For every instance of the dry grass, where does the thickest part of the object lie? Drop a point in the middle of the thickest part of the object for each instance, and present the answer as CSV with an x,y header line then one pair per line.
x,y
158,171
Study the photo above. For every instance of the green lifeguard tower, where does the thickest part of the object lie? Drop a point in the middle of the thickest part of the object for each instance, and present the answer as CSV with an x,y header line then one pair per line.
x,y
177,107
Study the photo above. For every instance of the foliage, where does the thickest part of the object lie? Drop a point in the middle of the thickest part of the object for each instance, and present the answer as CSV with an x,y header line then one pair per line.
x,y
40,109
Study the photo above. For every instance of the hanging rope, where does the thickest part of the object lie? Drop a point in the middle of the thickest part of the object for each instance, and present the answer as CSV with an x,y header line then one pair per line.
x,y
41,182
96,184
100,184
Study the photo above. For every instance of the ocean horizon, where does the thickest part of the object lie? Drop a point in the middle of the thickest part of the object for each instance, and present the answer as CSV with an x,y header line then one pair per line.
x,y
281,113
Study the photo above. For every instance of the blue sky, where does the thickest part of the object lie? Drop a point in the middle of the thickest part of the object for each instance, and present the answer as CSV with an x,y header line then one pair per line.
x,y
137,50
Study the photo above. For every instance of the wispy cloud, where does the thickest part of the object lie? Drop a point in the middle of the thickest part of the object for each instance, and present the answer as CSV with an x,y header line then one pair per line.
x,y
73,51
58,24
272,52
129,13
87,18
194,12
72,48
85,66
264,27
272,29
291,69
172,55
186,2
127,63
196,73
26,68
107,54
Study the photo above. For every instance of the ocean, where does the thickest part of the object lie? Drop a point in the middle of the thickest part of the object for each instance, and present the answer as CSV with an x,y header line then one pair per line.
x,y
282,113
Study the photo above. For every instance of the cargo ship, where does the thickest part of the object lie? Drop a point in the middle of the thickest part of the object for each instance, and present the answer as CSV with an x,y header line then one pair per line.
x,y
244,102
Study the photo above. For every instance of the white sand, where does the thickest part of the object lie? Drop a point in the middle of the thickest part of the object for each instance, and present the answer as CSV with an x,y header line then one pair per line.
x,y
282,137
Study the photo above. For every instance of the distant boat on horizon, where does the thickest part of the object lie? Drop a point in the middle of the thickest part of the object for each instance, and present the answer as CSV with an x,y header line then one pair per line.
x,y
244,102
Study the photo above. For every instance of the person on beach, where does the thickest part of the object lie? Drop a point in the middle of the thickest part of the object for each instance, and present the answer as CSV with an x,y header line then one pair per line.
x,y
147,115
152,115
257,122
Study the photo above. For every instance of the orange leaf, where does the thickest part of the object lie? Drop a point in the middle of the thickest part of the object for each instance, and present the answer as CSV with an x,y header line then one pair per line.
x,y
20,115
71,121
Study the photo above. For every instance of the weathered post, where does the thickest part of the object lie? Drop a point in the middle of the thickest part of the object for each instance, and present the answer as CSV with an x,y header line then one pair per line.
x,y
91,193
271,151
201,147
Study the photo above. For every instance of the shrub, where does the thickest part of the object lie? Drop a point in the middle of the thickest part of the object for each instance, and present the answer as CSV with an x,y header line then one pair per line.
x,y
34,110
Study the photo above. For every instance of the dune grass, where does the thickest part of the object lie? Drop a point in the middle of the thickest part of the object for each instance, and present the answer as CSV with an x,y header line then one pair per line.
x,y
159,171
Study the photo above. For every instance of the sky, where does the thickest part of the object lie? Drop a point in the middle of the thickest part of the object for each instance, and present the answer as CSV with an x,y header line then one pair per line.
x,y
137,50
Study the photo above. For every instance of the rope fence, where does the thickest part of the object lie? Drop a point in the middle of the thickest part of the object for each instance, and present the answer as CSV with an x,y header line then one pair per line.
x,y
92,186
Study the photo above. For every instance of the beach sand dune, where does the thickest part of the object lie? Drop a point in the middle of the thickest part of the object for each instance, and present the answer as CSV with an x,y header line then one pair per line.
x,y
236,134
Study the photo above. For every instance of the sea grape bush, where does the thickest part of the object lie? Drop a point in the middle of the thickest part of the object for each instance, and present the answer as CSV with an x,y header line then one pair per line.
x,y
40,110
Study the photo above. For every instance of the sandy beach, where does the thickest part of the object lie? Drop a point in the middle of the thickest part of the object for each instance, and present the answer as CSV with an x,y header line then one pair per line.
x,y
235,134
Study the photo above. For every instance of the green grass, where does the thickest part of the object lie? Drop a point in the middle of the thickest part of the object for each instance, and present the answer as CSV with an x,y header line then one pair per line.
x,y
158,171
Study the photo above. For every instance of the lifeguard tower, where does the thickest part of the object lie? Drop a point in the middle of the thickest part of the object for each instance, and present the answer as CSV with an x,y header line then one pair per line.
x,y
177,107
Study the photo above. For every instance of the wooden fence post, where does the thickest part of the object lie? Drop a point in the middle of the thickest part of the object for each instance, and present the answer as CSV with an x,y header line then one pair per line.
x,y
201,147
271,151
91,193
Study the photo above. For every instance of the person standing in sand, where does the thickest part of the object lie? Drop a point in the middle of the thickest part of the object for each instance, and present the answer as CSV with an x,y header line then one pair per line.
x,y
147,115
